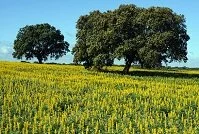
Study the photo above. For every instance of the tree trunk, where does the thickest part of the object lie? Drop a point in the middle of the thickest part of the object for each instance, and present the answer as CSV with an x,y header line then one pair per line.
x,y
127,67
39,59
142,65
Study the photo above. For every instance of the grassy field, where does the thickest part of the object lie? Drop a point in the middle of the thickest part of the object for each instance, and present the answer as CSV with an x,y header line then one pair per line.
x,y
69,99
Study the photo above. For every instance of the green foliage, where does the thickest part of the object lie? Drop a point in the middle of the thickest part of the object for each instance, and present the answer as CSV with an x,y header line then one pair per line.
x,y
138,35
40,41
93,43
165,37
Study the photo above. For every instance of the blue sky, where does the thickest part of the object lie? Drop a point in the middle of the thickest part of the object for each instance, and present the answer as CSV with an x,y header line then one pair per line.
x,y
63,14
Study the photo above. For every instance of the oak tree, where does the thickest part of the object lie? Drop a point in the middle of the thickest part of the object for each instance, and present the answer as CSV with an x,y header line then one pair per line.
x,y
40,41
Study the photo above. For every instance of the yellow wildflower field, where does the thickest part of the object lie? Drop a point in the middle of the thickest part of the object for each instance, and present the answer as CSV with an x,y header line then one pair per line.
x,y
44,98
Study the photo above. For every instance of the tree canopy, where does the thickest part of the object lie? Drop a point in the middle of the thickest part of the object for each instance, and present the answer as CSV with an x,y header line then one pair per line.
x,y
165,37
40,41
145,36
93,45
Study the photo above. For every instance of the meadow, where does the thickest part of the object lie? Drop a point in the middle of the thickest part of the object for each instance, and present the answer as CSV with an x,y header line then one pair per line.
x,y
41,98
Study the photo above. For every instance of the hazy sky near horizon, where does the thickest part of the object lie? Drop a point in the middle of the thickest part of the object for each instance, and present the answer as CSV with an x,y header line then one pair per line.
x,y
63,14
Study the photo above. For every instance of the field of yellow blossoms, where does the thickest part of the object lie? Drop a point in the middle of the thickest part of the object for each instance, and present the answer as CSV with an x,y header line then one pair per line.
x,y
69,99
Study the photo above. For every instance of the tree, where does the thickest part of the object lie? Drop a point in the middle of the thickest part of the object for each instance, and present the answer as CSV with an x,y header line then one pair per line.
x,y
80,49
164,37
93,44
40,41
127,31
157,35
142,36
